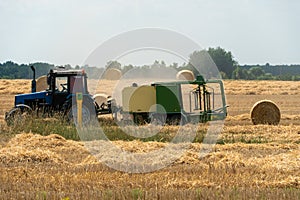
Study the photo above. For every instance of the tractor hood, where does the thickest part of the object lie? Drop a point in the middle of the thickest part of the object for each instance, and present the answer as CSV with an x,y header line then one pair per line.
x,y
39,97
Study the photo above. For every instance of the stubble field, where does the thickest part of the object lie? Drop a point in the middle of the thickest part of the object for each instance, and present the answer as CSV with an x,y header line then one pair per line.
x,y
249,162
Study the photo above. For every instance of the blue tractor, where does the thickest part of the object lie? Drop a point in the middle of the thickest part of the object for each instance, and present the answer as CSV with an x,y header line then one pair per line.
x,y
58,98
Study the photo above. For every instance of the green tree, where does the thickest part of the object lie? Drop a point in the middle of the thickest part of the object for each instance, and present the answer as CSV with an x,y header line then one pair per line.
x,y
224,60
156,64
113,64
256,72
267,76
240,73
163,64
223,75
67,66
126,68
201,62
174,66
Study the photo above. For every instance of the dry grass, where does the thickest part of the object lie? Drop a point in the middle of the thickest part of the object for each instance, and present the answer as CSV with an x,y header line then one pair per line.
x,y
15,86
33,165
251,162
240,87
232,87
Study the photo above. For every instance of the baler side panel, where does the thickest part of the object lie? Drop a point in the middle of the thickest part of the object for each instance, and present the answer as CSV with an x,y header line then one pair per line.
x,y
169,97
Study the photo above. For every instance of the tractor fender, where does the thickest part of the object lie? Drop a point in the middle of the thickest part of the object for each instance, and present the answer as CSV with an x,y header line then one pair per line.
x,y
10,114
19,106
23,106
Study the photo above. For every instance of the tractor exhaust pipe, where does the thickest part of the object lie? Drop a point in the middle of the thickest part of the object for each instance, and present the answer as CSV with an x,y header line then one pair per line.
x,y
33,82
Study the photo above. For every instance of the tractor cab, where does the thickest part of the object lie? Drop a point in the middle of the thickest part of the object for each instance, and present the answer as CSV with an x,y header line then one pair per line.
x,y
69,82
63,83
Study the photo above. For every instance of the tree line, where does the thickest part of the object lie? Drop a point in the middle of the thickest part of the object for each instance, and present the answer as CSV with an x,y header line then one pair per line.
x,y
224,60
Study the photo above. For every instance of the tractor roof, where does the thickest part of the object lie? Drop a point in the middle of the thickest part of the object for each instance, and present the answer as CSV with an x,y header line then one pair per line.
x,y
68,72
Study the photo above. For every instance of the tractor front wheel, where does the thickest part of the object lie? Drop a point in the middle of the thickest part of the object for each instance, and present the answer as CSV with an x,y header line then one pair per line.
x,y
17,116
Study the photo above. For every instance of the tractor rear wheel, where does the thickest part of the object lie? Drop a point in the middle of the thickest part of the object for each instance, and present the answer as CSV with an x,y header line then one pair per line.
x,y
88,114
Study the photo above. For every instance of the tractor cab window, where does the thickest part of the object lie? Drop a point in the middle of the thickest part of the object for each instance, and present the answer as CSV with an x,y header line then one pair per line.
x,y
61,84
77,84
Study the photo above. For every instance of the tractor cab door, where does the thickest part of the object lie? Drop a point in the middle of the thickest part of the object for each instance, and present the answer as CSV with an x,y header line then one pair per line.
x,y
77,84
60,92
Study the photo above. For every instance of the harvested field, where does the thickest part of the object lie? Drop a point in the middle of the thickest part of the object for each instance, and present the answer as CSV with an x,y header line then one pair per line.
x,y
240,87
249,162
233,87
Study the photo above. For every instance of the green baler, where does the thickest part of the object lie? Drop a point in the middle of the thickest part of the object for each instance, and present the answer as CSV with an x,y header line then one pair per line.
x,y
176,102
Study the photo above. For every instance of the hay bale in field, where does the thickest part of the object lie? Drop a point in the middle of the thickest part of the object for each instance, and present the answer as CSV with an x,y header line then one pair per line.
x,y
100,98
265,112
41,83
185,75
112,74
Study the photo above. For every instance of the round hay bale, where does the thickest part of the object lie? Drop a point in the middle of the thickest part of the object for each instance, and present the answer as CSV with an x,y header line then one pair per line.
x,y
265,112
112,74
185,75
100,98
41,83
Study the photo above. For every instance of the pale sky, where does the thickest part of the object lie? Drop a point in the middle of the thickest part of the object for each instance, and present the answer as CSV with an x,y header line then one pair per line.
x,y
66,32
